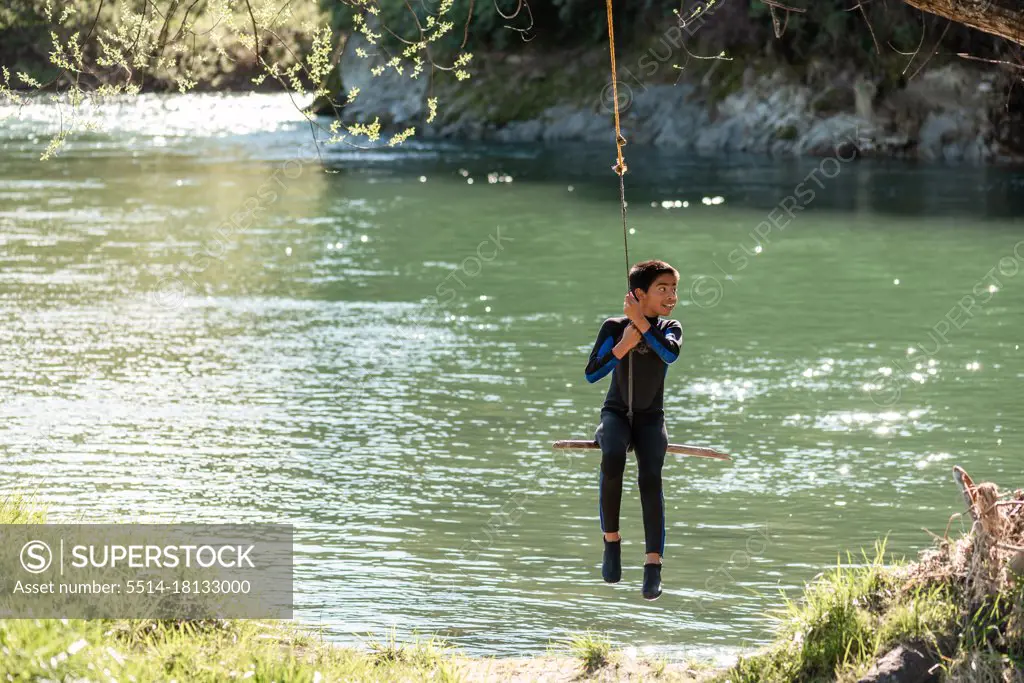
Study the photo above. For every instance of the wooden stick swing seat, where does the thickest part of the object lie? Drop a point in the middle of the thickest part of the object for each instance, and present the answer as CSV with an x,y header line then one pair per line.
x,y
679,449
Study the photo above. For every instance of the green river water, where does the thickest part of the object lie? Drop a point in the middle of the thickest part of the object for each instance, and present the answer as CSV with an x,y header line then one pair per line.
x,y
157,366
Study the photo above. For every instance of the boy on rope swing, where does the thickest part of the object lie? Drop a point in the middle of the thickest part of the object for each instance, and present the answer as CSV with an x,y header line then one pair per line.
x,y
655,344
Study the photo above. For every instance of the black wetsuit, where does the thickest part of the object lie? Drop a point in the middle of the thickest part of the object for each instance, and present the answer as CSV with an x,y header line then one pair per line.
x,y
651,357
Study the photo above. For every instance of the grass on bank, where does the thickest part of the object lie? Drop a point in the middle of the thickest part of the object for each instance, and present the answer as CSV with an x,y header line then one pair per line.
x,y
199,650
593,649
212,650
138,650
852,615
844,621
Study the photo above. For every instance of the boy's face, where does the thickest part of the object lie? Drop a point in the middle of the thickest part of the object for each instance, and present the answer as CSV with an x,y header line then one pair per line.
x,y
660,298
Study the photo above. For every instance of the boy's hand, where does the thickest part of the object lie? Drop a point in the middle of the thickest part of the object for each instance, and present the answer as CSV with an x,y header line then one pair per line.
x,y
631,336
632,308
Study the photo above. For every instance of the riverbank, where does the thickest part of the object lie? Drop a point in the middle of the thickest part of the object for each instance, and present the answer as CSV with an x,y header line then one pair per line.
x,y
220,650
228,649
721,83
957,614
951,111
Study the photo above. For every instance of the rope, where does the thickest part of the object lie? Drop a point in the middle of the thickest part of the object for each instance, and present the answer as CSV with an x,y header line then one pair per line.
x,y
620,168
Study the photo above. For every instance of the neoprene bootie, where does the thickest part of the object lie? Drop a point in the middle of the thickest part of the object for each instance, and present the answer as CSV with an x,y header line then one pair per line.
x,y
652,581
611,567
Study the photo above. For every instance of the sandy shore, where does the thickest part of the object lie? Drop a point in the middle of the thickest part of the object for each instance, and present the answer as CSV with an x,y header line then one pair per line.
x,y
557,669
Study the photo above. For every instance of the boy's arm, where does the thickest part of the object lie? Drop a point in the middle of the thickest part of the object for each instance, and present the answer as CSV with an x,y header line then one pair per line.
x,y
602,360
666,344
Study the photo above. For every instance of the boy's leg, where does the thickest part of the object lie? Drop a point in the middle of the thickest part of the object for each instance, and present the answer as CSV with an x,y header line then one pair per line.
x,y
651,443
613,437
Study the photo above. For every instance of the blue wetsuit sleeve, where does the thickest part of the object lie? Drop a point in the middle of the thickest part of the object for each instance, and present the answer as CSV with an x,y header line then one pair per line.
x,y
666,343
602,360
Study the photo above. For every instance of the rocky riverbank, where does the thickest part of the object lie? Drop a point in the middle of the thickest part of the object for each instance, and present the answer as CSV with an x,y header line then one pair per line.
x,y
955,112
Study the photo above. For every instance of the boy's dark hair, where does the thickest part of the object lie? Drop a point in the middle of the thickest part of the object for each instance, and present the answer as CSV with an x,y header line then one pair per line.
x,y
642,275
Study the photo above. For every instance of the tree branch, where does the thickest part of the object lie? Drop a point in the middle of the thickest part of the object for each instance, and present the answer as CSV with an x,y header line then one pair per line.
x,y
1012,65
255,32
1003,18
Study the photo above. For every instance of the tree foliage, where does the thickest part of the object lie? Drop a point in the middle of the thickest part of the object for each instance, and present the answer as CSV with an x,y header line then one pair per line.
x,y
87,51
